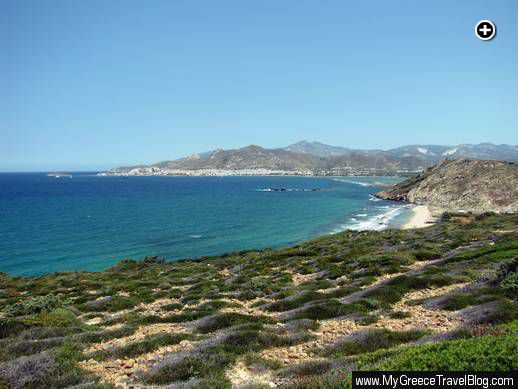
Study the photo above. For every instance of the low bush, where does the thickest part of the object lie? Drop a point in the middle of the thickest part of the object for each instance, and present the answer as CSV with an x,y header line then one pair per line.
x,y
373,340
399,315
293,302
109,303
28,371
302,325
11,327
181,369
172,307
146,345
35,305
394,290
328,310
104,335
59,317
23,347
224,320
488,353
507,277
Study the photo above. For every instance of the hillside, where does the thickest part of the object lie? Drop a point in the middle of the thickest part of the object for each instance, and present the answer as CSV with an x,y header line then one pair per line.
x,y
314,158
251,157
431,154
437,298
468,185
257,160
318,149
436,153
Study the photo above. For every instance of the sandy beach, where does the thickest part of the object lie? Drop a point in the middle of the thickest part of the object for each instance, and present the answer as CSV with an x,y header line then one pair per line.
x,y
421,217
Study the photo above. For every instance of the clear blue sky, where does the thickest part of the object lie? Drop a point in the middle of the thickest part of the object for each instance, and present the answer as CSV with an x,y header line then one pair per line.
x,y
96,84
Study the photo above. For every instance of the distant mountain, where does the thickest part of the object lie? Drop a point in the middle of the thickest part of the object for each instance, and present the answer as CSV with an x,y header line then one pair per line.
x,y
429,153
434,153
314,158
462,184
317,148
250,157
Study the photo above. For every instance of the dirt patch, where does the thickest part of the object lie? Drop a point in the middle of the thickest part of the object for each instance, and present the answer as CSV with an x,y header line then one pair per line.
x,y
241,375
435,320
139,334
120,372
298,278
330,331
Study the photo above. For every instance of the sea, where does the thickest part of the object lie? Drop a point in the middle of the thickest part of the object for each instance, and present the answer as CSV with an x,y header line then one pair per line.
x,y
91,222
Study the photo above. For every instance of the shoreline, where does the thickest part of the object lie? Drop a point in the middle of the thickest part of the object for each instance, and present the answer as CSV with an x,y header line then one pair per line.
x,y
421,217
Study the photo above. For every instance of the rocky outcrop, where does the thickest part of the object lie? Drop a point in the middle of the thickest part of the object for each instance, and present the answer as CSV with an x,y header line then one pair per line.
x,y
454,185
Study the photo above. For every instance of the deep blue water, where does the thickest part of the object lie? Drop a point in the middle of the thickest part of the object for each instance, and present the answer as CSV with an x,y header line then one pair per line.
x,y
89,222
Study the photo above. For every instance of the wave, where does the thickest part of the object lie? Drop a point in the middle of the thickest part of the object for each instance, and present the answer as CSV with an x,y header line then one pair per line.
x,y
373,198
377,222
352,182
288,190
196,236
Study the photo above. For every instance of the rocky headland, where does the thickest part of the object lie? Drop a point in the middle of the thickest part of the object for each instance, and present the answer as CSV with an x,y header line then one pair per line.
x,y
475,186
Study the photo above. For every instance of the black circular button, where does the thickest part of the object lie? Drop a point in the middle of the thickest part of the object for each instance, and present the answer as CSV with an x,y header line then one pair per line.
x,y
485,30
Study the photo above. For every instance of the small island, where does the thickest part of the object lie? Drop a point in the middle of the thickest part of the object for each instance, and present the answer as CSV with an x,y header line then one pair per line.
x,y
59,175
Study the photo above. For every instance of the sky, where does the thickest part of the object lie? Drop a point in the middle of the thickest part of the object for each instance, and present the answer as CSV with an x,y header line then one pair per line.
x,y
90,85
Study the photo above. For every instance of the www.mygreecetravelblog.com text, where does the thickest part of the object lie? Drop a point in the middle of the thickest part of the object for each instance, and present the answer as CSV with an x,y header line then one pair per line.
x,y
435,380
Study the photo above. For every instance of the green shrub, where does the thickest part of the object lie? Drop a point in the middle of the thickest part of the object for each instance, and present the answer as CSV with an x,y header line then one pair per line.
x,y
399,315
146,345
110,303
59,317
293,302
458,301
172,307
394,290
35,305
328,310
180,369
224,320
488,353
507,277
373,340
11,327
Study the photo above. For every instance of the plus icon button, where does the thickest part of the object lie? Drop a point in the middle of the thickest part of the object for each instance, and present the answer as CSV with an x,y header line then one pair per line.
x,y
485,30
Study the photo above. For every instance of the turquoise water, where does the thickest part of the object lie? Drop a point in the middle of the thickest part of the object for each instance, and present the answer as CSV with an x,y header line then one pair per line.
x,y
89,222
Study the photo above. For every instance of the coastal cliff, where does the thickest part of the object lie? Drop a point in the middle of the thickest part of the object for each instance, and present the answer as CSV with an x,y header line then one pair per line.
x,y
462,184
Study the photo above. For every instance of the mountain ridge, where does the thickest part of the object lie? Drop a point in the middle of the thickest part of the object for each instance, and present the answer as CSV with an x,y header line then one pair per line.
x,y
315,158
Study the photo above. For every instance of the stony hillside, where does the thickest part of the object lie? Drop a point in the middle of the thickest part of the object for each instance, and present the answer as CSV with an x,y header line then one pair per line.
x,y
468,185
317,148
251,157
437,298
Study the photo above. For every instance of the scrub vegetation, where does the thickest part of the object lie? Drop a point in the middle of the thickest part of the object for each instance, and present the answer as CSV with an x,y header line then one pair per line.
x,y
437,298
